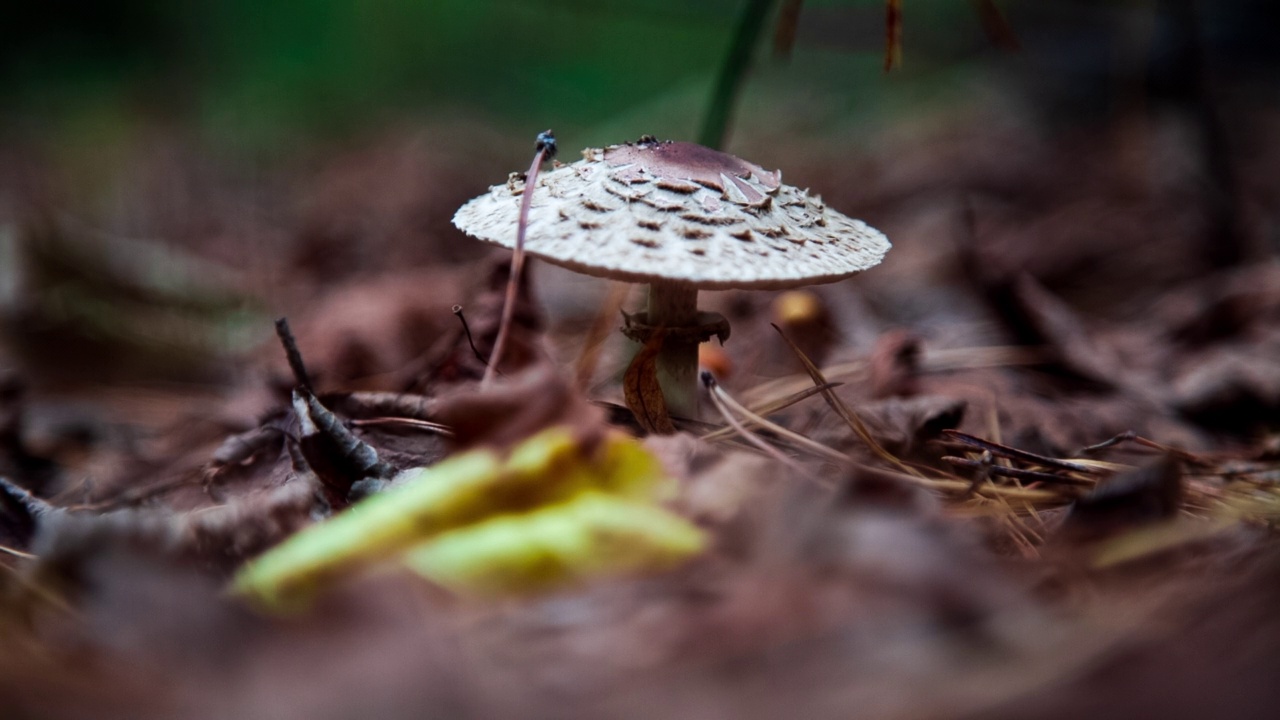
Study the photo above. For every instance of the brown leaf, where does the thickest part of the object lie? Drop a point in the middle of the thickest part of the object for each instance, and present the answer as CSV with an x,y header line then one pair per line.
x,y
460,355
903,424
643,393
1145,495
515,407
895,365
359,335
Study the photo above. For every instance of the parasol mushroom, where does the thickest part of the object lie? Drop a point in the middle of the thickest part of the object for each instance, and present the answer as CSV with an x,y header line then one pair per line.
x,y
682,218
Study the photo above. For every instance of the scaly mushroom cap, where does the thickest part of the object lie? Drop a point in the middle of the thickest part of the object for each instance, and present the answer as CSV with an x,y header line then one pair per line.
x,y
677,211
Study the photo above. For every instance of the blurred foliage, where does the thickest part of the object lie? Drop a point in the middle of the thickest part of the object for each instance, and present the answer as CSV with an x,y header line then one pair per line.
x,y
252,73
554,511
255,72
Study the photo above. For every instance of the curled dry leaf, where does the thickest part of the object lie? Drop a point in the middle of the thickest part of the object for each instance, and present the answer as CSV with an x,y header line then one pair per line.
x,y
642,392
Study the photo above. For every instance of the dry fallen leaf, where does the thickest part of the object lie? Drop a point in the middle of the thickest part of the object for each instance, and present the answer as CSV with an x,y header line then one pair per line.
x,y
641,389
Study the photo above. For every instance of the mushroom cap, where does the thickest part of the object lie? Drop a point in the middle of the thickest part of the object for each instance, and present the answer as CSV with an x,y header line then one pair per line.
x,y
675,211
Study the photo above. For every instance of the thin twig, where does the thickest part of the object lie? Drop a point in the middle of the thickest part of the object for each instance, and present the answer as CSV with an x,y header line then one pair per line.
x,y
932,361
545,149
1136,439
133,496
1014,453
1009,472
292,354
466,330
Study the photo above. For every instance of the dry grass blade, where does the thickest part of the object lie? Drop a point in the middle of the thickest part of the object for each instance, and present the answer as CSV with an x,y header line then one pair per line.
x,y
719,395
1147,541
855,423
772,407
784,32
1103,466
709,382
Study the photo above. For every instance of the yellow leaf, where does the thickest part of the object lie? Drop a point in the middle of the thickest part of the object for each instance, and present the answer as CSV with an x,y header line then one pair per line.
x,y
591,535
548,468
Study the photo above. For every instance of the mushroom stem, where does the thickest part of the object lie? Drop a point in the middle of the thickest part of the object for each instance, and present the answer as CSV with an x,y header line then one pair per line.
x,y
675,305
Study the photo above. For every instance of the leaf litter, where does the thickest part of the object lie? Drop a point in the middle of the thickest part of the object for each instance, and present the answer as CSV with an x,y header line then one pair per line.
x,y
1045,507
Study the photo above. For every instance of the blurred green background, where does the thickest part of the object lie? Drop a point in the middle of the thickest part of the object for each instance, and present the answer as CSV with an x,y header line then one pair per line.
x,y
250,80
310,142
249,76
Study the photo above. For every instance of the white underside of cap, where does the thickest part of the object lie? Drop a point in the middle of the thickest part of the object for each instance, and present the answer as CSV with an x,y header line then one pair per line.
x,y
621,222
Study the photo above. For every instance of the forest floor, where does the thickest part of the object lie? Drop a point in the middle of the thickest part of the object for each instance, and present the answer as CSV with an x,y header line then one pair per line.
x,y
1067,362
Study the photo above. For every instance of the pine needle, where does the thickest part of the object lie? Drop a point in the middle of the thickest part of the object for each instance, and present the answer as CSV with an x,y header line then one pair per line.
x,y
855,423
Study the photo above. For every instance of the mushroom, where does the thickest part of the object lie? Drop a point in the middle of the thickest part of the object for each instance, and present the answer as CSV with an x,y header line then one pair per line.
x,y
682,218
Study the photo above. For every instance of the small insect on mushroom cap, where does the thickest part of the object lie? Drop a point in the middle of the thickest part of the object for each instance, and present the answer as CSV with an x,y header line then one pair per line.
x,y
676,211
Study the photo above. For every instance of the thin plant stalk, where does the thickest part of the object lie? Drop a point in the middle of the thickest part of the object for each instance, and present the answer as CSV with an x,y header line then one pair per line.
x,y
733,72
546,149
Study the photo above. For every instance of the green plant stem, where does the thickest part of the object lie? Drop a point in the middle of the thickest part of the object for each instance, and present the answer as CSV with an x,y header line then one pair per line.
x,y
733,72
